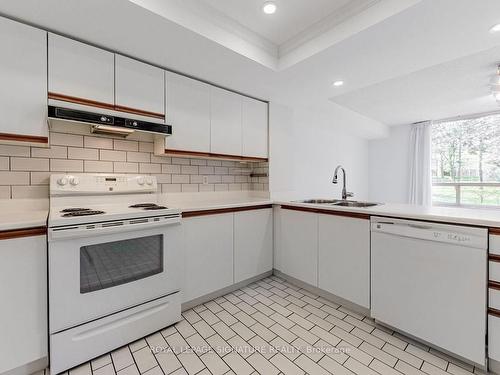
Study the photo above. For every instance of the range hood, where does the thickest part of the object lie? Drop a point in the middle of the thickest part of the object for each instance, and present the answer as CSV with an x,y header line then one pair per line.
x,y
107,124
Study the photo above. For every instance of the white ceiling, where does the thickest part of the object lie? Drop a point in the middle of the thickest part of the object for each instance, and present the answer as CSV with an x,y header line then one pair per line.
x,y
291,18
396,70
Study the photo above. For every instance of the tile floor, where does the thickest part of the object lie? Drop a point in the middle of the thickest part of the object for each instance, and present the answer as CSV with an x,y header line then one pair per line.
x,y
273,327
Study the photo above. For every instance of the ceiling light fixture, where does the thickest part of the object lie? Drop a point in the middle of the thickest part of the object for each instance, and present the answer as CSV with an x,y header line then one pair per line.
x,y
269,7
338,83
495,29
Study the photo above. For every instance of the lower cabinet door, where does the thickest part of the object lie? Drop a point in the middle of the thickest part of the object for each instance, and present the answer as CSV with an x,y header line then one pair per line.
x,y
344,258
208,254
494,337
253,243
299,245
23,316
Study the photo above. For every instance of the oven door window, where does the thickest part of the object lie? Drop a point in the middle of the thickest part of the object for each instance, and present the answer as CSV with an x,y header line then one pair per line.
x,y
114,263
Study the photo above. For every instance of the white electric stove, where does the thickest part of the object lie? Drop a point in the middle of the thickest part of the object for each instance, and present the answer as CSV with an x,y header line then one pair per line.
x,y
115,264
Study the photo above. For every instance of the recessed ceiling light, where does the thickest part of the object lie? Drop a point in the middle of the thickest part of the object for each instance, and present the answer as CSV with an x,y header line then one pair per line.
x,y
495,29
269,7
338,83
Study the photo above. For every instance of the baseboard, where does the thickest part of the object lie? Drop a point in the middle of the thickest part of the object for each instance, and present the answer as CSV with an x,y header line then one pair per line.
x,y
494,366
208,297
29,368
322,293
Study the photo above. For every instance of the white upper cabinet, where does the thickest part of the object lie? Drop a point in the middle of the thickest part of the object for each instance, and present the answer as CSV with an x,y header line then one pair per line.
x,y
81,71
344,258
188,111
254,127
253,243
226,132
139,87
23,77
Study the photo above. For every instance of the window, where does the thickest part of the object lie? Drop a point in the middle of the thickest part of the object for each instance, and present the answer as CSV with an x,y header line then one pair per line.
x,y
466,162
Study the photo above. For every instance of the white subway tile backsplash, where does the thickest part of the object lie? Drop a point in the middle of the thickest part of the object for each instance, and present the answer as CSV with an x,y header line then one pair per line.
x,y
25,171
109,155
140,157
125,167
171,169
63,165
57,152
83,153
98,166
149,168
4,163
14,178
29,164
98,142
123,145
63,139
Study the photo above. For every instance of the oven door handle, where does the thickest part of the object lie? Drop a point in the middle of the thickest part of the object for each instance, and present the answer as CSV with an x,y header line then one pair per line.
x,y
100,229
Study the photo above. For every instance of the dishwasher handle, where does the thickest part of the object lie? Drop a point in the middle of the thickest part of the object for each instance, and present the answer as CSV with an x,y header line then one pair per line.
x,y
460,236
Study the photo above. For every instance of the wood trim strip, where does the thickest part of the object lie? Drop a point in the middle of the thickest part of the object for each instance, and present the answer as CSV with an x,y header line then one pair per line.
x,y
77,100
494,285
214,155
494,258
355,215
140,112
18,233
494,312
23,138
494,231
224,210
94,103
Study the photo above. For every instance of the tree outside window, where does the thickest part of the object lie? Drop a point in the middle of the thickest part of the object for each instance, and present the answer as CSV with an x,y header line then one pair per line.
x,y
466,162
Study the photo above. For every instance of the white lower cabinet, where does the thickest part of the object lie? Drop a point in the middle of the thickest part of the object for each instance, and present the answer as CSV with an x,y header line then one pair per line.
x,y
299,245
208,254
23,316
494,337
253,243
344,257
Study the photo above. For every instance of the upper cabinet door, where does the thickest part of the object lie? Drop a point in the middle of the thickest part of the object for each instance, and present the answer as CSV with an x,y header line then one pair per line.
x,y
80,71
225,122
23,74
188,111
254,126
139,87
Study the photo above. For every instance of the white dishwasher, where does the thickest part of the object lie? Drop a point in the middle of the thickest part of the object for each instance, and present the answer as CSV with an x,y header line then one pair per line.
x,y
430,281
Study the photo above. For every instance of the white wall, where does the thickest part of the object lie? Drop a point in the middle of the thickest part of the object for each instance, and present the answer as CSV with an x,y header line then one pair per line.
x,y
305,148
388,166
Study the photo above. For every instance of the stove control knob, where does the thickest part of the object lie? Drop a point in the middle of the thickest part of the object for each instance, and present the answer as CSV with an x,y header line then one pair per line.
x,y
149,181
140,180
62,181
74,181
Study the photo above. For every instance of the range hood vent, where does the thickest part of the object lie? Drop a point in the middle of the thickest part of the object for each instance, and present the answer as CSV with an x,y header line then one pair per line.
x,y
106,124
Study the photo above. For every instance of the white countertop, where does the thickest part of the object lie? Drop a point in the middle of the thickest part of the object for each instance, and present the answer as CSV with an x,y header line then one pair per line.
x,y
23,213
480,217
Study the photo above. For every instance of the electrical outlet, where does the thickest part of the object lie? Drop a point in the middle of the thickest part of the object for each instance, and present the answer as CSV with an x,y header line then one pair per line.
x,y
205,180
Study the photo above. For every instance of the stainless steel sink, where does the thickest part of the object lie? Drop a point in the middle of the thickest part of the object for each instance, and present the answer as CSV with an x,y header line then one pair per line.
x,y
320,201
354,204
339,202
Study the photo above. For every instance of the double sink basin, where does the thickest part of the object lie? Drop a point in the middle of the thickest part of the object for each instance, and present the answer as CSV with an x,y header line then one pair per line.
x,y
339,202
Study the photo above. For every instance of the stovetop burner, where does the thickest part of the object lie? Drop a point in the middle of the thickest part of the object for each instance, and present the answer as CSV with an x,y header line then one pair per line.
x,y
85,212
143,205
155,208
74,209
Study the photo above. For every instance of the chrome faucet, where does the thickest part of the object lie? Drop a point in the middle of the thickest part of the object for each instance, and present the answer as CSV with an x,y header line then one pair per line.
x,y
345,193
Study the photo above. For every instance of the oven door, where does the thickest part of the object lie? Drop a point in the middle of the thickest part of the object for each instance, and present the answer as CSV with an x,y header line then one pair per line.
x,y
97,272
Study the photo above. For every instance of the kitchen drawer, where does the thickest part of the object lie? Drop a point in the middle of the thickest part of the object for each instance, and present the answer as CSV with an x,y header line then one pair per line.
x,y
495,242
495,271
494,298
494,337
